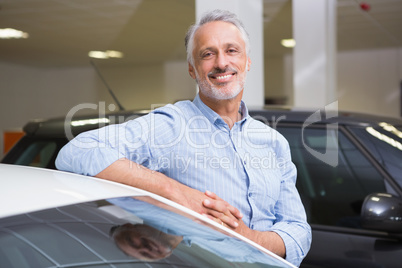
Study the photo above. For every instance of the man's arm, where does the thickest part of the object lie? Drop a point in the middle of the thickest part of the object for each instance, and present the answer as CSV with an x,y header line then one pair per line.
x,y
112,152
130,173
220,211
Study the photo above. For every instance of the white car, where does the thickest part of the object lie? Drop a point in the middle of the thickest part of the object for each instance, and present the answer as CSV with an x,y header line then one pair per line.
x,y
50,218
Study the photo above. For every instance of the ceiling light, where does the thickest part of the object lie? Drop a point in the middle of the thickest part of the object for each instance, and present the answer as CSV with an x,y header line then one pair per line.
x,y
114,54
105,54
97,54
9,33
288,43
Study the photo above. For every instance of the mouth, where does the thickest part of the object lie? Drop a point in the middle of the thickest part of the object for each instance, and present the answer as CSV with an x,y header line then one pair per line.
x,y
222,77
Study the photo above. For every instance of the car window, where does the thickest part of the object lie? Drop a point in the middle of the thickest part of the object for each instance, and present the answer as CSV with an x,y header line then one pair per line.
x,y
121,232
385,144
38,154
332,190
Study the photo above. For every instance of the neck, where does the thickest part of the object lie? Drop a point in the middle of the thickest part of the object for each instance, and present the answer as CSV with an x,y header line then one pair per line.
x,y
227,109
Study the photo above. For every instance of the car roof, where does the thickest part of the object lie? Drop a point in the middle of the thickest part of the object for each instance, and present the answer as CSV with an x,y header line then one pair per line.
x,y
299,115
27,189
55,127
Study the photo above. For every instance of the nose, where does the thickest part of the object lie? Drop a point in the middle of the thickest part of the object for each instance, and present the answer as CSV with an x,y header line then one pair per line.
x,y
221,61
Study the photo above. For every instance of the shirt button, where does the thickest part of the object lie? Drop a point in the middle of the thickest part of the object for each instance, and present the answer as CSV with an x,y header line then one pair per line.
x,y
250,194
252,226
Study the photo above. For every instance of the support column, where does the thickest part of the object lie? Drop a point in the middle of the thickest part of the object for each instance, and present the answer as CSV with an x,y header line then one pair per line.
x,y
251,14
314,71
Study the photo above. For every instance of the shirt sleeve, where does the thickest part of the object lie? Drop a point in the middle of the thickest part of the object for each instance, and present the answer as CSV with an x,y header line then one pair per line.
x,y
91,152
291,221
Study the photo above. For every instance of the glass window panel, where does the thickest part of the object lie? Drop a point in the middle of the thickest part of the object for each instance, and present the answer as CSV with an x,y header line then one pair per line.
x,y
18,253
38,154
385,146
332,194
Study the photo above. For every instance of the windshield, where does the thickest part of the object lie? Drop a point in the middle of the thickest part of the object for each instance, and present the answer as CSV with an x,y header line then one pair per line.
x,y
122,232
385,144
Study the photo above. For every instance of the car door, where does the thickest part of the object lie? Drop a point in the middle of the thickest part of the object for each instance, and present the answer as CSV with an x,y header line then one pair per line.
x,y
334,177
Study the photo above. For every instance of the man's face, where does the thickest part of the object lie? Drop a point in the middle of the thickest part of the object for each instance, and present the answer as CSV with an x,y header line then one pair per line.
x,y
144,242
220,60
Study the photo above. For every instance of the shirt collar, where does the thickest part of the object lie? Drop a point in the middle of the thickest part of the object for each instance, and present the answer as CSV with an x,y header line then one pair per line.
x,y
213,117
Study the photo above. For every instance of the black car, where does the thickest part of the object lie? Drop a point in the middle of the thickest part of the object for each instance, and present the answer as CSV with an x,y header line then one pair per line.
x,y
349,176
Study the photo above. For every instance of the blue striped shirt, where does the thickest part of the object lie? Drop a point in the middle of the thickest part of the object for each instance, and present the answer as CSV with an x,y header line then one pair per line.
x,y
249,165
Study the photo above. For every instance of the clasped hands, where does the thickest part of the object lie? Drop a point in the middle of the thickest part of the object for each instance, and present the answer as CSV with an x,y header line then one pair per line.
x,y
221,211
215,208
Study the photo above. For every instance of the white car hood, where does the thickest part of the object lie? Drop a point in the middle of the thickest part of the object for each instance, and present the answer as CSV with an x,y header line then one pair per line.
x,y
27,189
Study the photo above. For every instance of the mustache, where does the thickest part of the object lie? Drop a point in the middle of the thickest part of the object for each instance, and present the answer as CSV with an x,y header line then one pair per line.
x,y
220,71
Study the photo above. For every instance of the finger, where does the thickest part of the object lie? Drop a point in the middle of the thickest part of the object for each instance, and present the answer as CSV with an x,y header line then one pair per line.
x,y
219,210
234,211
212,195
214,219
219,206
223,219
227,218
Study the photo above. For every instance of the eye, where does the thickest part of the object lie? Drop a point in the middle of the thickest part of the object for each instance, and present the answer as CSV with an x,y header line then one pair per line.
x,y
232,51
207,55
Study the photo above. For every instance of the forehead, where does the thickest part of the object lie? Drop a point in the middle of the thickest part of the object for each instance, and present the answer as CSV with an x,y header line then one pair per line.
x,y
217,33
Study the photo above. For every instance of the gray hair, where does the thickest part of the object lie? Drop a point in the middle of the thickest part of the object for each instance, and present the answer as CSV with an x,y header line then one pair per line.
x,y
215,15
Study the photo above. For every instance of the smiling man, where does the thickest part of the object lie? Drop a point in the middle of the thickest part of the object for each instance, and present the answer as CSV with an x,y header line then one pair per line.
x,y
209,154
220,59
219,63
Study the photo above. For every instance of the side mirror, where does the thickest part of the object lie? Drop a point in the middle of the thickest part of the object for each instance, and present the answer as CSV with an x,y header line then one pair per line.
x,y
383,212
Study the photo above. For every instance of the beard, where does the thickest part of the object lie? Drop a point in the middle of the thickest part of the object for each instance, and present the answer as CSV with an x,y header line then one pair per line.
x,y
225,91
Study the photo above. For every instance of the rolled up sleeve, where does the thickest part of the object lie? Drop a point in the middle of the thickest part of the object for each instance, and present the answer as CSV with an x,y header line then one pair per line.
x,y
91,152
291,221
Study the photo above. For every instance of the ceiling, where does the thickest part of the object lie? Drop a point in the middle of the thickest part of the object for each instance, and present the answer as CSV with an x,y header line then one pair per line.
x,y
62,32
357,29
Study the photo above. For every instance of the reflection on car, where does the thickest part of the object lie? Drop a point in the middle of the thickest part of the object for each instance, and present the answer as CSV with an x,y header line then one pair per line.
x,y
341,160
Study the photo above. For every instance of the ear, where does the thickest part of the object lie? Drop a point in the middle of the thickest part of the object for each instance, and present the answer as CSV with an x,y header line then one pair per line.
x,y
248,63
191,70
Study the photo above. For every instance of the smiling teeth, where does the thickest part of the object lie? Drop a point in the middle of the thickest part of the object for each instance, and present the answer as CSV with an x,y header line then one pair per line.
x,y
223,77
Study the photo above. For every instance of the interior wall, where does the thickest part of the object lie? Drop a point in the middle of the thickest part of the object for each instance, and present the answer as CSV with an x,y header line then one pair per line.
x,y
274,81
134,87
368,81
29,93
178,83
142,87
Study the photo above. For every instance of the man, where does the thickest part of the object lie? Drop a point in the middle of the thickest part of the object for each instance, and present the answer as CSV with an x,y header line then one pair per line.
x,y
208,155
144,242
